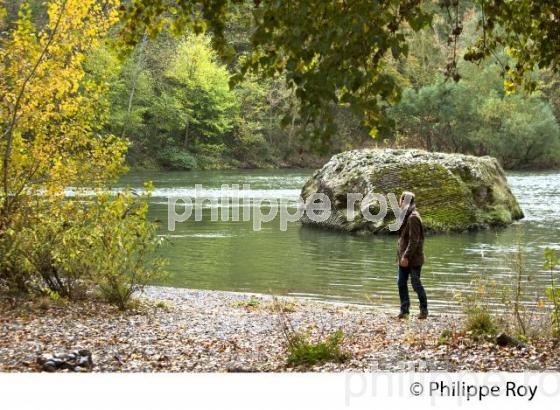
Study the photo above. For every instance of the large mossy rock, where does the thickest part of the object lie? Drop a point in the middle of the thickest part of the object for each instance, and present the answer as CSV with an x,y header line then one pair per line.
x,y
453,192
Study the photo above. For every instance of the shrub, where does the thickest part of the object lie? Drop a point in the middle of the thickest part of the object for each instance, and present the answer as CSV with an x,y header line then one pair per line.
x,y
121,243
480,323
301,351
477,306
176,159
72,247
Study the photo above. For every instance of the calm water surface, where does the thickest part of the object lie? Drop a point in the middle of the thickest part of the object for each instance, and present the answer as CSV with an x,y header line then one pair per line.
x,y
333,266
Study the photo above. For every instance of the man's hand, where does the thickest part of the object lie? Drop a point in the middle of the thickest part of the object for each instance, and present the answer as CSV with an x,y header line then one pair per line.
x,y
404,262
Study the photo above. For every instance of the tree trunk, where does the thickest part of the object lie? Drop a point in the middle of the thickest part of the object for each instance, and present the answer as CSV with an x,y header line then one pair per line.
x,y
135,76
186,139
429,141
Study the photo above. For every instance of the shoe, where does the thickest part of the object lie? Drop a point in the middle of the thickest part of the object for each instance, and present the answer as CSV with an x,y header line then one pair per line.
x,y
402,316
423,315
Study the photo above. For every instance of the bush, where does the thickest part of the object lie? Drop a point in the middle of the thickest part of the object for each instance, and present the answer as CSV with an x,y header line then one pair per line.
x,y
301,351
480,323
174,158
120,244
73,247
36,259
477,306
210,156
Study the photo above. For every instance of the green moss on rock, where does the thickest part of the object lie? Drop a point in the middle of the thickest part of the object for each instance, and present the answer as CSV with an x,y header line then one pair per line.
x,y
454,192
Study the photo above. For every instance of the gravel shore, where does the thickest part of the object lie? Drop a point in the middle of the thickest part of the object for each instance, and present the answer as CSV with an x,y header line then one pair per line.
x,y
211,331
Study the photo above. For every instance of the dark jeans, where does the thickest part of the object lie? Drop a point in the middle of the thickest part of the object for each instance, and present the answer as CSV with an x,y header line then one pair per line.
x,y
402,282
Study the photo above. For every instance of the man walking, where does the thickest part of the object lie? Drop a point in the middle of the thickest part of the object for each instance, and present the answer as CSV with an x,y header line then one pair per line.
x,y
410,253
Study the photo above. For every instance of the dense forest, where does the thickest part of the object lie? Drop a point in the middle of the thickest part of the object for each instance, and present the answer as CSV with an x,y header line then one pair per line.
x,y
172,98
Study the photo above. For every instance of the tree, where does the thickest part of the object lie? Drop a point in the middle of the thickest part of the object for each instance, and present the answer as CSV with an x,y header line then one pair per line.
x,y
329,53
520,132
332,52
47,110
53,139
200,84
476,116
529,30
440,116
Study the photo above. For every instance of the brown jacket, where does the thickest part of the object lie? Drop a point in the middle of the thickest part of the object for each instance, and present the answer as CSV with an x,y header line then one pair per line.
x,y
411,240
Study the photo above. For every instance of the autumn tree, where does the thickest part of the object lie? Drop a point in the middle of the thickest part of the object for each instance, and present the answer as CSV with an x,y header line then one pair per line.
x,y
52,119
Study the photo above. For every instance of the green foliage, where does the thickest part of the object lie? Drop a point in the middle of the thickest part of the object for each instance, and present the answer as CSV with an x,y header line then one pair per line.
x,y
250,303
200,85
444,336
475,117
55,80
54,297
480,323
527,29
163,305
118,248
303,352
476,304
265,119
74,247
520,132
303,41
177,159
337,54
175,94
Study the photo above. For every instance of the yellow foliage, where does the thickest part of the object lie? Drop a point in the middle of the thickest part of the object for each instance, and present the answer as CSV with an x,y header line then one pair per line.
x,y
3,13
51,117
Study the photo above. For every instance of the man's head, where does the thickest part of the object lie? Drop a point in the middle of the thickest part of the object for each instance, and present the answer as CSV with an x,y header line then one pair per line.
x,y
407,199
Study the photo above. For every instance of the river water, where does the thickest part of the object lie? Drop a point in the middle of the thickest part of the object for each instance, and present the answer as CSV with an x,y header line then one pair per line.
x,y
231,255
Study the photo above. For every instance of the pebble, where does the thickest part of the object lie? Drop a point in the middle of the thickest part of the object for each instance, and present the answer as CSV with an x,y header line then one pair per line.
x,y
210,331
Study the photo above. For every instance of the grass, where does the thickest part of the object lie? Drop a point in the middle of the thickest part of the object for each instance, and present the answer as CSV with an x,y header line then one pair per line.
x,y
163,305
480,323
445,335
283,306
251,303
303,352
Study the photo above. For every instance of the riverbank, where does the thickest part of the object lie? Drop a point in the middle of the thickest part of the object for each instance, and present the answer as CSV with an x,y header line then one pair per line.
x,y
211,331
296,162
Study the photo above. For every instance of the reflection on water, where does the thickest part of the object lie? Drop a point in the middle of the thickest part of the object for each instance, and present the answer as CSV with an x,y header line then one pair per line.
x,y
334,266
